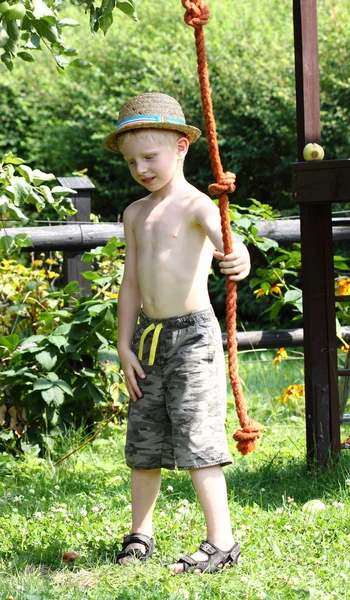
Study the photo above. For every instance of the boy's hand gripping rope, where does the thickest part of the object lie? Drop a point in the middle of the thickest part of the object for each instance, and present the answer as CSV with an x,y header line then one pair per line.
x,y
197,15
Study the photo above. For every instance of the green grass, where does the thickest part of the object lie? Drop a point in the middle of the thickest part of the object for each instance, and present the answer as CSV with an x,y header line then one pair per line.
x,y
84,506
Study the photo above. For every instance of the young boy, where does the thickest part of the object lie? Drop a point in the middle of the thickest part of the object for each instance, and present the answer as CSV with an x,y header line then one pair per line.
x,y
173,359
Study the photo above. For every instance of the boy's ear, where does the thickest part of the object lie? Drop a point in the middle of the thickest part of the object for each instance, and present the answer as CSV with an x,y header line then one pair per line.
x,y
182,146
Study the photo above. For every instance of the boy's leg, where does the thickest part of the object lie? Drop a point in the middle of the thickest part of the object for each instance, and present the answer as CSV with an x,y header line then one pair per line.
x,y
210,485
145,487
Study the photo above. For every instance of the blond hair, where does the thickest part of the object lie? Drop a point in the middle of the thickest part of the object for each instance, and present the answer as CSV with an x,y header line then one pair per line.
x,y
164,137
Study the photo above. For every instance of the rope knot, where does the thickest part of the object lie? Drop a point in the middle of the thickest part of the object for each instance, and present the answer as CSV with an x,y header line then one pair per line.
x,y
225,185
197,13
247,437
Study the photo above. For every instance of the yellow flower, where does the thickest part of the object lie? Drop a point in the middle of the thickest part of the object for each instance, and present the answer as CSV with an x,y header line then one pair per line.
x,y
281,354
275,289
345,348
260,292
293,393
343,286
36,263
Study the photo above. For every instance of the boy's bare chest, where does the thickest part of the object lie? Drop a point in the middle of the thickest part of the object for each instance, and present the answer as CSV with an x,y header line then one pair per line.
x,y
161,226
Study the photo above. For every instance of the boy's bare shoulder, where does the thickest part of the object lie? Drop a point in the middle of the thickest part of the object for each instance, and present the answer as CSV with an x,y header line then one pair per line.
x,y
131,211
202,203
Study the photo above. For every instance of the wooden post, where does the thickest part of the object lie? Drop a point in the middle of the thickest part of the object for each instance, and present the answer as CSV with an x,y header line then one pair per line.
x,y
73,265
321,385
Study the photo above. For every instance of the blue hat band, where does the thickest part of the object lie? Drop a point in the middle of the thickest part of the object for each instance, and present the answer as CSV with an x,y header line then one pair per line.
x,y
148,119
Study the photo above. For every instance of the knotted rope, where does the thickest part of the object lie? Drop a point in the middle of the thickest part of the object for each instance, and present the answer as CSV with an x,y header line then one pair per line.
x,y
197,15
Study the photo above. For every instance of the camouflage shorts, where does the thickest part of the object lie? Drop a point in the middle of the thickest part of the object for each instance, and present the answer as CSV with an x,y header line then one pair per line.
x,y
179,421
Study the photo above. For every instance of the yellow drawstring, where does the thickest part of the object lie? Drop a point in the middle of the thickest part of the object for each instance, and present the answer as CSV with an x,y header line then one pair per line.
x,y
152,354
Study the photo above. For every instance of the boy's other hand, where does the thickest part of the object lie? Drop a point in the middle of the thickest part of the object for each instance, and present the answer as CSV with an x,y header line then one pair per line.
x,y
131,368
237,264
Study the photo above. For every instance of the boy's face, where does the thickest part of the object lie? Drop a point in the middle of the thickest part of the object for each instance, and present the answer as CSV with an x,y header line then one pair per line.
x,y
152,164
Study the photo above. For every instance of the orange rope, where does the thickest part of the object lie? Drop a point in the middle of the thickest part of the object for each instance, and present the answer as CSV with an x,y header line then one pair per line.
x,y
197,15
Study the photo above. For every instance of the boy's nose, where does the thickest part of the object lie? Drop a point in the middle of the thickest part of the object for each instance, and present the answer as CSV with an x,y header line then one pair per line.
x,y
141,168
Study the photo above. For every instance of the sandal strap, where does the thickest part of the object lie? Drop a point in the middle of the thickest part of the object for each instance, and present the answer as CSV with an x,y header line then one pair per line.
x,y
209,548
216,556
137,538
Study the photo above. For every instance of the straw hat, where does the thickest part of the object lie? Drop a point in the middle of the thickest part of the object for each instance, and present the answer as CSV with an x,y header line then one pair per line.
x,y
151,111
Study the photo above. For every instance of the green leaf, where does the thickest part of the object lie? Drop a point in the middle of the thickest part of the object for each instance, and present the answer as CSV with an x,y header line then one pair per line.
x,y
7,243
10,341
276,308
4,37
109,355
127,7
265,244
39,177
34,42
58,340
64,387
54,396
68,23
10,159
102,339
63,329
16,213
23,240
42,11
26,172
62,190
80,63
95,392
47,31
90,275
42,384
26,56
46,192
47,359
19,190
95,309
87,372
73,286
6,59
52,377
293,296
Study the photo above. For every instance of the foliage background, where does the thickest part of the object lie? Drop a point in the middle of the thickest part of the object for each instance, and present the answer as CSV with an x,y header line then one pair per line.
x,y
58,123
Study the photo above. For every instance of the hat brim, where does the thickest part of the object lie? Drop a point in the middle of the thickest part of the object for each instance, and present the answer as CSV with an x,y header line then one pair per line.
x,y
111,142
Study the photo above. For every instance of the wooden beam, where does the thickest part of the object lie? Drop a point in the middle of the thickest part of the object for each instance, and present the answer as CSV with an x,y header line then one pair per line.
x,y
306,73
320,352
72,259
89,235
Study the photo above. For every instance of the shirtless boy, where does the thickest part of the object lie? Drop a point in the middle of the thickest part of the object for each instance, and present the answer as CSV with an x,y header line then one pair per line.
x,y
173,359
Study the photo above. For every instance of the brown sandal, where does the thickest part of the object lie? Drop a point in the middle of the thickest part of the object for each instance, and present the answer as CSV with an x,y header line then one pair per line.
x,y
136,553
215,558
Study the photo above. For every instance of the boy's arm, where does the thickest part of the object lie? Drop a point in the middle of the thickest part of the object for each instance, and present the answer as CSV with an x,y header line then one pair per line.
x,y
129,304
237,264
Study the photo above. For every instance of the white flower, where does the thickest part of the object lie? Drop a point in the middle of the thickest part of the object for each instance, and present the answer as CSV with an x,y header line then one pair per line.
x,y
57,487
338,505
128,507
38,515
31,491
95,509
262,490
83,512
170,488
15,510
